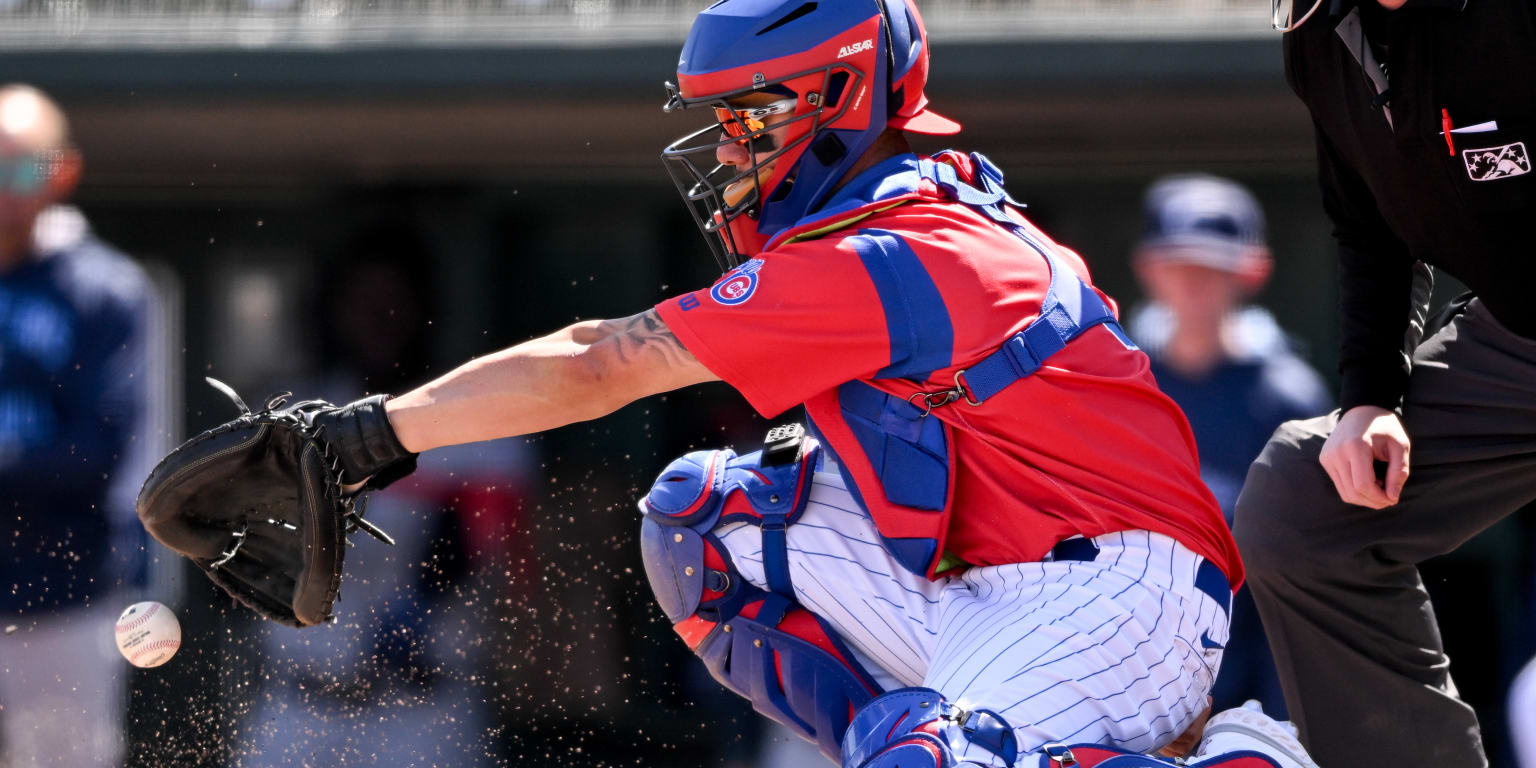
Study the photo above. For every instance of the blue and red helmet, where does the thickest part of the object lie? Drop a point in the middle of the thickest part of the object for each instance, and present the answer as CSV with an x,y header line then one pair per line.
x,y
844,70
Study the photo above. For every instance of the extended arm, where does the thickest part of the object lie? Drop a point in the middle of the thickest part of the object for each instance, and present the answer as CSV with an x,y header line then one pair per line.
x,y
1383,302
581,372
285,562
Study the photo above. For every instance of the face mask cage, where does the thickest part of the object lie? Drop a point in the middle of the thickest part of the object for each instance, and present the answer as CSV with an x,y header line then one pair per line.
x,y
702,180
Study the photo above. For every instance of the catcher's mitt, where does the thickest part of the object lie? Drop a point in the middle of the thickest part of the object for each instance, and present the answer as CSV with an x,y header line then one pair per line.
x,y
259,504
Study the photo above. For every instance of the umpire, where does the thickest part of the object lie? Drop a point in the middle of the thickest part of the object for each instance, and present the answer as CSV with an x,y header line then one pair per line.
x,y
1425,115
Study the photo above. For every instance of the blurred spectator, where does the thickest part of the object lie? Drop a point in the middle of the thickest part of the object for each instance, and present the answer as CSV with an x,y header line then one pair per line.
x,y
72,315
412,674
1227,364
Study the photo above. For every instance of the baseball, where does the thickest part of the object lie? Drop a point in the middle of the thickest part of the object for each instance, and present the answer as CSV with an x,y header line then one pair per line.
x,y
148,634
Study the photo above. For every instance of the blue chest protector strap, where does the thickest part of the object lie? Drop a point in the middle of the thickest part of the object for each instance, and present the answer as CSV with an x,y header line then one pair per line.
x,y
1070,306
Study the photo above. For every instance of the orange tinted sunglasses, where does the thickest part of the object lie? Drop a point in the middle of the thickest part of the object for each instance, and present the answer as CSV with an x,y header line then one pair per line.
x,y
744,120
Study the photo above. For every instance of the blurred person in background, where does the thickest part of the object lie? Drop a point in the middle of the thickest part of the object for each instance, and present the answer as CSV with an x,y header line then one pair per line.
x,y
72,316
1226,362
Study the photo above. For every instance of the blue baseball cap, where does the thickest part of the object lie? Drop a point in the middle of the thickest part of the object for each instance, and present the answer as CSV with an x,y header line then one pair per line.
x,y
1201,219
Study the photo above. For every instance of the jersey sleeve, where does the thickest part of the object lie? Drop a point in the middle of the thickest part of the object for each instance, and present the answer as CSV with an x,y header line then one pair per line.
x,y
802,319
1383,293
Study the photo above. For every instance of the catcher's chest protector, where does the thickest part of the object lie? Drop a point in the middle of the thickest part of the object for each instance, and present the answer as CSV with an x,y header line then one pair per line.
x,y
760,644
894,458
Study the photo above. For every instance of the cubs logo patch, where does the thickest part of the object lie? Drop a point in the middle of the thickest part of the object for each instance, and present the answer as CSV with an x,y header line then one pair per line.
x,y
1494,163
737,285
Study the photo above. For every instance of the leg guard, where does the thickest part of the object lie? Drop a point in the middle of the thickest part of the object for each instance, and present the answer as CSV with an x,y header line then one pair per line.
x,y
917,728
1100,756
760,644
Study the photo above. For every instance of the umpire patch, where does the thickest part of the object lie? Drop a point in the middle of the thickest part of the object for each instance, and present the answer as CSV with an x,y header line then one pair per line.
x,y
1495,163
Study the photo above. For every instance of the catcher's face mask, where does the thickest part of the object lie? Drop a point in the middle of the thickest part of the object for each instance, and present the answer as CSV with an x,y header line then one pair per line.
x,y
726,198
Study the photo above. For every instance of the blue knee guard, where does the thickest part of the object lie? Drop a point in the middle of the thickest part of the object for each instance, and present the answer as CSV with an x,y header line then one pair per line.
x,y
705,489
917,728
788,662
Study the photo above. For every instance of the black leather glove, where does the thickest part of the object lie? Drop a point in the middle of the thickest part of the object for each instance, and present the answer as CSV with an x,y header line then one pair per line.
x,y
264,503
360,436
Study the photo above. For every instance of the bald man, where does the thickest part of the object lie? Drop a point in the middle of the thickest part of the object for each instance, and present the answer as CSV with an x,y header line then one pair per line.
x,y
71,326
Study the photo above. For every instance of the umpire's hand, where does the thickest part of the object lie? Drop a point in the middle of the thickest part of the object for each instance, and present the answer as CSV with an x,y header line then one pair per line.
x,y
1364,435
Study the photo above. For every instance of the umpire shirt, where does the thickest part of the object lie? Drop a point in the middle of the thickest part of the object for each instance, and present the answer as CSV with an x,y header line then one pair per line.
x,y
1383,87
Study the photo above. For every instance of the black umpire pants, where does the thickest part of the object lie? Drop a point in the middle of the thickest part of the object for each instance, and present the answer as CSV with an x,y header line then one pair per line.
x,y
1354,635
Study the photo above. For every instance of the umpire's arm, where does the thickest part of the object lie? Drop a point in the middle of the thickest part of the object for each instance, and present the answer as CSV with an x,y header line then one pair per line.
x,y
581,372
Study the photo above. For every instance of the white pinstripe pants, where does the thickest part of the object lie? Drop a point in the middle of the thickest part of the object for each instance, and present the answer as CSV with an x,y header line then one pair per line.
x,y
1113,651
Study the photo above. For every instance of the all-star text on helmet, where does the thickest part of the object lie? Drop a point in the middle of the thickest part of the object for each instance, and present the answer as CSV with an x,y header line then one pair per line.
x,y
806,87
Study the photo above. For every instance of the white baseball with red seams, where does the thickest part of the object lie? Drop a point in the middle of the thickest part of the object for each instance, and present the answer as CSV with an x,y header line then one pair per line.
x,y
148,634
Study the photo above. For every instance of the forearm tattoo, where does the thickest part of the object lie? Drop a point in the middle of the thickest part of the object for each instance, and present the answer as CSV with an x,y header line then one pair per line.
x,y
646,335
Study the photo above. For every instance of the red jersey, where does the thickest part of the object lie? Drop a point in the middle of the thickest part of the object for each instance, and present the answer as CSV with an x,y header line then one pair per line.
x,y
1086,445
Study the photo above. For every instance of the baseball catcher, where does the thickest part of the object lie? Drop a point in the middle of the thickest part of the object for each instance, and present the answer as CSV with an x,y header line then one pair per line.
x,y
989,543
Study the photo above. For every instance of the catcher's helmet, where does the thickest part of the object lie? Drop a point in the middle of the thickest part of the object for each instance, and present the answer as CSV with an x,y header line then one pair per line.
x,y
843,71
